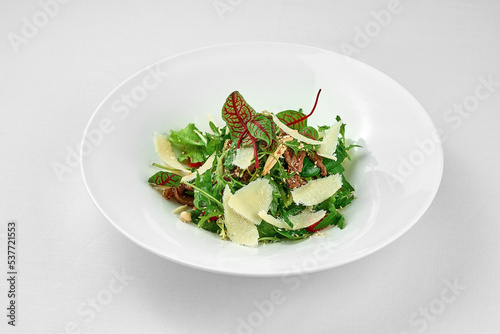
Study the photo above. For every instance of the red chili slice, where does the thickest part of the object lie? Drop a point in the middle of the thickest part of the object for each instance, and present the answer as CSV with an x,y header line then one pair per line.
x,y
195,164
311,228
211,218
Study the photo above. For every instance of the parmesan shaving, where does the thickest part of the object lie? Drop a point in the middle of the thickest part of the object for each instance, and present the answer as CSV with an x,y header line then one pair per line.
x,y
252,198
329,143
294,133
203,168
306,218
166,154
243,157
239,229
302,220
278,222
317,191
179,209
331,157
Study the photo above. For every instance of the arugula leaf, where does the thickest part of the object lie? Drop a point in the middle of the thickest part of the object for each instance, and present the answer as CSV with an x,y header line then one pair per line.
x,y
229,159
192,154
215,129
309,169
298,146
209,225
277,199
192,144
341,223
294,234
266,230
215,142
332,166
346,184
343,197
323,128
187,136
292,210
331,219
206,195
208,220
204,183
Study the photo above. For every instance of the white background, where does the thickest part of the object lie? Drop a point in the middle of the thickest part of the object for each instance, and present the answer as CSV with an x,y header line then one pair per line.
x,y
441,277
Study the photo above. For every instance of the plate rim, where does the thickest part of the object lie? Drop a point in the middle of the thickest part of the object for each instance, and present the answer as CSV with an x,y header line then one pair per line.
x,y
225,270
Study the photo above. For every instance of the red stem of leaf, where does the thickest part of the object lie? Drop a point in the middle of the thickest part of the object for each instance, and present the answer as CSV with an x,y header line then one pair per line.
x,y
254,143
241,138
306,116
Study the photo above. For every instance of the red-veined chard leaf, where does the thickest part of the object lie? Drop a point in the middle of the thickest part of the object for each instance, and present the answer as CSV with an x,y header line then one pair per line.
x,y
237,114
293,118
245,125
261,127
310,132
299,121
165,179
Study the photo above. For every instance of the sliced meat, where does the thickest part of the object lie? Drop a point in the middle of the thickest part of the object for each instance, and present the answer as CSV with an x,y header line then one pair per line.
x,y
318,161
247,175
179,194
185,187
168,193
182,197
295,181
295,163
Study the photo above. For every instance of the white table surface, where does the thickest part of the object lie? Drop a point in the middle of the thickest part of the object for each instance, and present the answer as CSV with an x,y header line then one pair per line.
x,y
78,274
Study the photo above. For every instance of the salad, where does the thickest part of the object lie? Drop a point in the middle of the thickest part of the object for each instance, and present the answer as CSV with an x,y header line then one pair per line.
x,y
260,178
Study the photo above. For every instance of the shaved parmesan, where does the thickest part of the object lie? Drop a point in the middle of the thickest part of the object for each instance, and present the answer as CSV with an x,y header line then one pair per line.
x,y
211,119
331,157
278,222
166,154
203,168
239,229
179,209
306,218
294,133
329,143
302,220
243,157
316,191
252,198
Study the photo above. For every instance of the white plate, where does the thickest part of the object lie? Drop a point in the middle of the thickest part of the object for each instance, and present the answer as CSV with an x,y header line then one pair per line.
x,y
396,174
